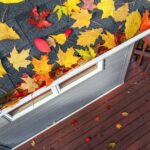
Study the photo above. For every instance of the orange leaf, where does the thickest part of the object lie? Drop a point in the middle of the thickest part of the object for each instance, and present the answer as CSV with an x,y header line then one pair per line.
x,y
145,21
118,126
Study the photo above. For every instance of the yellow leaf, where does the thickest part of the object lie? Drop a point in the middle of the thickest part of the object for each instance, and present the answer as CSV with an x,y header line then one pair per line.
x,y
82,18
7,32
124,114
118,126
2,70
109,40
87,54
108,8
72,6
121,13
89,37
33,143
10,1
67,59
19,59
41,66
133,24
60,38
29,84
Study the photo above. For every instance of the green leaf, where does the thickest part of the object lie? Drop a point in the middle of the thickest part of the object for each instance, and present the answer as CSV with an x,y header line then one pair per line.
x,y
60,10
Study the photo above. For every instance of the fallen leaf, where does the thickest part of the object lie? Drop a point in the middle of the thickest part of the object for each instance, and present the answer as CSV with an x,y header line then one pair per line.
x,y
60,38
89,37
68,32
67,58
88,4
132,25
124,114
42,45
19,59
72,6
7,33
121,13
109,107
60,11
33,143
39,19
118,126
109,40
88,139
87,54
41,66
44,78
145,21
97,118
2,70
74,122
82,19
10,1
107,7
28,84
51,42
112,145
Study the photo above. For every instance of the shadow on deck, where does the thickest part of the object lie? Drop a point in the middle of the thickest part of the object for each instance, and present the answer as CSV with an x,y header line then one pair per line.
x,y
95,127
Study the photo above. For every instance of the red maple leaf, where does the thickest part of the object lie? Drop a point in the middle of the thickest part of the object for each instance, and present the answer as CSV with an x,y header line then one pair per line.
x,y
39,19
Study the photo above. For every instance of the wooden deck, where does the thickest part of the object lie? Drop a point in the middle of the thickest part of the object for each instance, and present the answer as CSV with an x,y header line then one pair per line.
x,y
94,128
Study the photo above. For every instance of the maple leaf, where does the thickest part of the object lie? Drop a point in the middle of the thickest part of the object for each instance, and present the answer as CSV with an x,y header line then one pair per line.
x,y
72,6
39,19
19,59
2,70
44,78
109,40
60,10
89,37
10,1
87,54
88,4
145,21
41,66
133,23
121,13
7,32
67,59
107,7
82,18
60,38
29,84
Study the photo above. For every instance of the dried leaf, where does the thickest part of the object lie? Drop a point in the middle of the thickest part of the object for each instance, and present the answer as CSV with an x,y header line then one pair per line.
x,y
7,33
10,1
67,59
2,70
60,38
82,18
88,4
28,84
133,24
108,8
41,66
19,59
60,11
109,40
72,6
87,54
33,143
89,37
51,42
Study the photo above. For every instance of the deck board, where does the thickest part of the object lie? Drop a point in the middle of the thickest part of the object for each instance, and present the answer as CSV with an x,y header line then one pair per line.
x,y
133,97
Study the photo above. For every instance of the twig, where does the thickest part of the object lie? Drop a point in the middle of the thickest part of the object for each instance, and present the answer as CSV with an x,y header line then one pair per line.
x,y
4,14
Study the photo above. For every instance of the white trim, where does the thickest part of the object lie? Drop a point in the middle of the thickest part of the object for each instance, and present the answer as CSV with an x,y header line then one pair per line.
x,y
100,66
67,116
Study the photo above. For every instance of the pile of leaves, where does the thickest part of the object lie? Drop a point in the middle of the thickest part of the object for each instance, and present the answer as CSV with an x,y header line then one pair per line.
x,y
91,42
